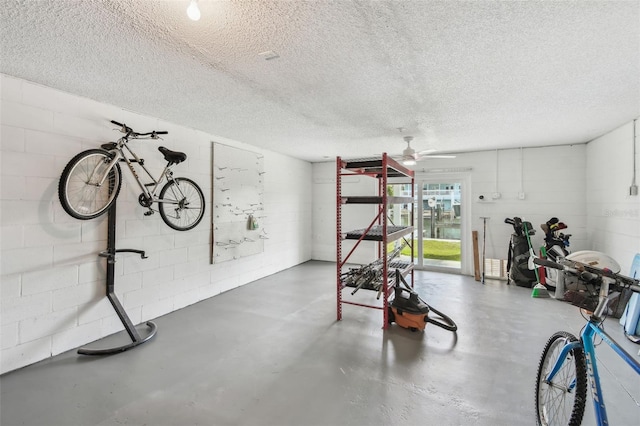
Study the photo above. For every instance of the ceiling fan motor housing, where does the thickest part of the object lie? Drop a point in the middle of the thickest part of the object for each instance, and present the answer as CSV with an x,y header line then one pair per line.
x,y
408,153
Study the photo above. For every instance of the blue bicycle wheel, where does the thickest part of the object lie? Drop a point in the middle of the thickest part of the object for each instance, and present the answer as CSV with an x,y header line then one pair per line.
x,y
562,400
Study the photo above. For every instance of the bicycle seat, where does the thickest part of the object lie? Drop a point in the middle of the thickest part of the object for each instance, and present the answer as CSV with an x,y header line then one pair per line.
x,y
173,157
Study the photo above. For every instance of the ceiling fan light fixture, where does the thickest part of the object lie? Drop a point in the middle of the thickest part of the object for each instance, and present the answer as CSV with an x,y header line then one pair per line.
x,y
409,154
408,161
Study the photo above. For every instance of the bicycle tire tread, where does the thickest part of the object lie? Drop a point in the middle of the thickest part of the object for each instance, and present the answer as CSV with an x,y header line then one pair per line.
x,y
165,216
579,362
64,177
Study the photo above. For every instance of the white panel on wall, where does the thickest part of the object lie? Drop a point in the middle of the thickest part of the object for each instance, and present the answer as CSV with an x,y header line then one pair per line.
x,y
238,203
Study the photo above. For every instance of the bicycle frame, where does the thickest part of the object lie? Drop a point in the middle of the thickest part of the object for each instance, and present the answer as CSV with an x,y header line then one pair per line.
x,y
119,155
591,330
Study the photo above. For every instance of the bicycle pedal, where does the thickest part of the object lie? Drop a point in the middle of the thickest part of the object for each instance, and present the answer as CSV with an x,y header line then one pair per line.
x,y
149,184
149,213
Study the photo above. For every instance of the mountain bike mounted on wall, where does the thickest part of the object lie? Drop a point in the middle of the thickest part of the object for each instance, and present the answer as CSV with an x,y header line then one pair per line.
x,y
91,182
89,187
567,362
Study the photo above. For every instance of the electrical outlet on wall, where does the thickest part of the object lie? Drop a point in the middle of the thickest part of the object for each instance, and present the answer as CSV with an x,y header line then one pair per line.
x,y
496,195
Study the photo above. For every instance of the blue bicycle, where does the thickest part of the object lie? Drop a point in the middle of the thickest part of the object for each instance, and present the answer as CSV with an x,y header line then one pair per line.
x,y
561,385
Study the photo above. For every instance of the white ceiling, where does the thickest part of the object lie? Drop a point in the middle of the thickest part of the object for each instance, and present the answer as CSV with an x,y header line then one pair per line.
x,y
458,76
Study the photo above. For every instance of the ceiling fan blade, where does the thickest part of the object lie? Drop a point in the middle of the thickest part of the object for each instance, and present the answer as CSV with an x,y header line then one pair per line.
x,y
426,151
437,156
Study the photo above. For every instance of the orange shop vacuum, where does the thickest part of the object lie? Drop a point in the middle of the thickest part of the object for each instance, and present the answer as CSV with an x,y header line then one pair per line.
x,y
409,311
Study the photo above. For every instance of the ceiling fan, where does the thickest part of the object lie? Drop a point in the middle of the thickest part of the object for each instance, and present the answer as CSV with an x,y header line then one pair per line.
x,y
410,156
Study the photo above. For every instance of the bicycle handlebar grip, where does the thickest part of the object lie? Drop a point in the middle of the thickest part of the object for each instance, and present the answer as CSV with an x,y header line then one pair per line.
x,y
588,276
547,263
161,132
123,127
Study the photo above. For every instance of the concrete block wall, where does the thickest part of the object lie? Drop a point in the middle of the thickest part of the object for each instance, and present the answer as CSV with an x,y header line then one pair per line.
x,y
52,281
553,182
613,220
354,216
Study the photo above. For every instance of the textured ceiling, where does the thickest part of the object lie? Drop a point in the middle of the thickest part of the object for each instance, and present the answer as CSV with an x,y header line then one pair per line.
x,y
458,76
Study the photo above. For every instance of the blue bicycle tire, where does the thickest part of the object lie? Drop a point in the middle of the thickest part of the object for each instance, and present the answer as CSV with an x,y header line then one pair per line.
x,y
563,401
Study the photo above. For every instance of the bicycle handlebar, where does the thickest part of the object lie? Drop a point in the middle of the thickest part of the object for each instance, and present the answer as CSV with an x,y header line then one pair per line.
x,y
548,263
126,129
578,267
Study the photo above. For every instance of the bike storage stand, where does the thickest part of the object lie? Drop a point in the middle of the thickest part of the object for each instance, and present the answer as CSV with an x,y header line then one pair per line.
x,y
110,254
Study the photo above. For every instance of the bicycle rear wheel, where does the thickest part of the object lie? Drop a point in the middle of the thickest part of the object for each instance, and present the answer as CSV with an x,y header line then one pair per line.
x,y
182,204
82,192
562,401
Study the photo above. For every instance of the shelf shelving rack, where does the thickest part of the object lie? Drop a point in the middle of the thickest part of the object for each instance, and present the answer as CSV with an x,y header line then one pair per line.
x,y
380,168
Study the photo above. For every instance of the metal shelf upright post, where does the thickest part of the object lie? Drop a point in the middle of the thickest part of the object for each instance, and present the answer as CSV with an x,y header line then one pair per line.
x,y
380,168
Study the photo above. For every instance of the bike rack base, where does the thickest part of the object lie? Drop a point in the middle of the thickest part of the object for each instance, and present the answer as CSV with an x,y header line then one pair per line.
x,y
108,351
110,254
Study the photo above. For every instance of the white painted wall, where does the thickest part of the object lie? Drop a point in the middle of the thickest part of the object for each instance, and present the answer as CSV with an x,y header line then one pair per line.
x,y
354,216
52,281
553,179
613,221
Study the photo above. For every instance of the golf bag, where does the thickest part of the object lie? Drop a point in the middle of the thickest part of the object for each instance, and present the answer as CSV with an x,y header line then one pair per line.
x,y
518,255
556,247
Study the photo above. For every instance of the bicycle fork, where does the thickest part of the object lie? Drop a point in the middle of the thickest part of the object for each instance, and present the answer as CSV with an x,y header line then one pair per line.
x,y
111,164
585,344
562,358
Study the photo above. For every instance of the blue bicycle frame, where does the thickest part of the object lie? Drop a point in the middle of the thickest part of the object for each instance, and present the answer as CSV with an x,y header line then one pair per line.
x,y
586,344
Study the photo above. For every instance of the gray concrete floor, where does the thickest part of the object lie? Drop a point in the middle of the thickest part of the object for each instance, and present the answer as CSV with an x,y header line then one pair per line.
x,y
272,353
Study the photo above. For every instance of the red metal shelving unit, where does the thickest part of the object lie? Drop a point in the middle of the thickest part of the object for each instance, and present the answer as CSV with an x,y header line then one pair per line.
x,y
378,230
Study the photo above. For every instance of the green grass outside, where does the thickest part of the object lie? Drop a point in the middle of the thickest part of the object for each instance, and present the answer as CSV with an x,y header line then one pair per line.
x,y
435,249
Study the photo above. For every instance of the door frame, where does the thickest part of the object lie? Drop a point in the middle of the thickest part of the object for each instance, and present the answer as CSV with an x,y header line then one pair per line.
x,y
466,247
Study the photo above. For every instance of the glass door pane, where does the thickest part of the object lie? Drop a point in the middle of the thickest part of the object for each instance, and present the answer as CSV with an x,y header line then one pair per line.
x,y
439,230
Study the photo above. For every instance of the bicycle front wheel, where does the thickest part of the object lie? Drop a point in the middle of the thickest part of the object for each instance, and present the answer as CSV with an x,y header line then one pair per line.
x,y
561,401
84,190
181,204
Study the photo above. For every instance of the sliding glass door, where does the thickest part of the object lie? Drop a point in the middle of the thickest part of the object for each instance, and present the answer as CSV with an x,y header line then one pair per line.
x,y
439,222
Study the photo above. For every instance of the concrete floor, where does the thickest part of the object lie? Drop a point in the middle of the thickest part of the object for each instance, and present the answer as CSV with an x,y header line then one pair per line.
x,y
272,353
